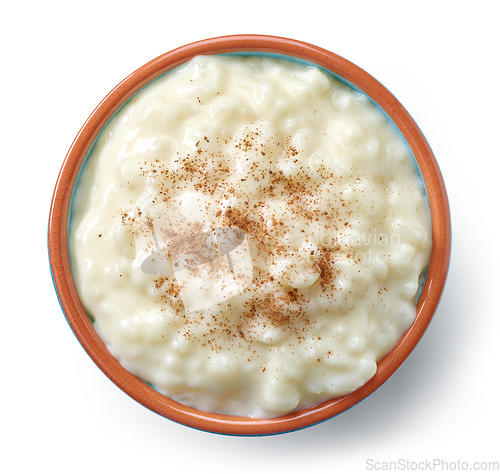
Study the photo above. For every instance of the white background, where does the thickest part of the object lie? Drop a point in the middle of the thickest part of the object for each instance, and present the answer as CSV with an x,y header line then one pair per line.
x,y
60,414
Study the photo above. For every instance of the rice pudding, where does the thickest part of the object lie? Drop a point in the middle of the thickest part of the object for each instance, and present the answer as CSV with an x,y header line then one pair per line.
x,y
249,235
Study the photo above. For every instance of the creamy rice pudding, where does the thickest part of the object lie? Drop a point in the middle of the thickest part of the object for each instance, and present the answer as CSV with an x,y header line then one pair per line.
x,y
249,235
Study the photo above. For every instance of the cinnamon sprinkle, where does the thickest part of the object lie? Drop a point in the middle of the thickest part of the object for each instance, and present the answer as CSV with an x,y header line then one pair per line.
x,y
271,302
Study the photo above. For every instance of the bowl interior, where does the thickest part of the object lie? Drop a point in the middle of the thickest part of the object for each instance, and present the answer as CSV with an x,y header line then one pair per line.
x,y
60,216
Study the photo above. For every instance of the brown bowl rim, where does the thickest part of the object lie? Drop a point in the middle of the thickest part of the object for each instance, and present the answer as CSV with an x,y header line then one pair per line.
x,y
79,320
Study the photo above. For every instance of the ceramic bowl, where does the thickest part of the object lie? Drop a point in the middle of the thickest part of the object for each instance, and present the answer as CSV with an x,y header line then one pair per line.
x,y
81,323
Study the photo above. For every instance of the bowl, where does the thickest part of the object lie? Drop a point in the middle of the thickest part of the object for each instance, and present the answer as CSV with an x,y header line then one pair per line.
x,y
80,322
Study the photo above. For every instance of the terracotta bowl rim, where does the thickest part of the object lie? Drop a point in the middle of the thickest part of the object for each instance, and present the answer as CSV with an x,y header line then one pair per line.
x,y
80,322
